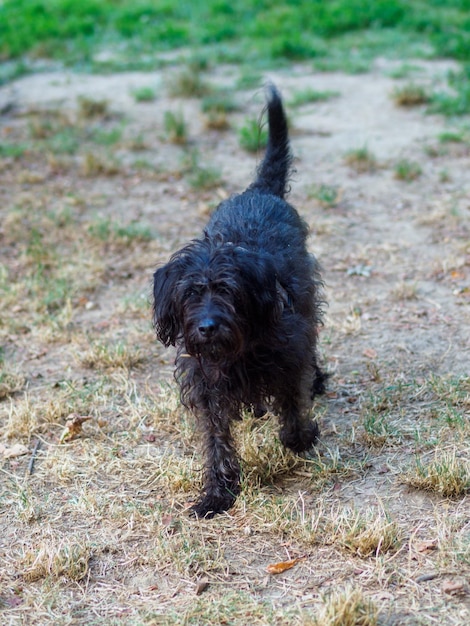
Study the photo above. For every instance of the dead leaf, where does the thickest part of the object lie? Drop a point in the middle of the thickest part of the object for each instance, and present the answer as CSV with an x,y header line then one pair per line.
x,y
370,353
73,426
283,566
426,546
201,586
17,449
454,587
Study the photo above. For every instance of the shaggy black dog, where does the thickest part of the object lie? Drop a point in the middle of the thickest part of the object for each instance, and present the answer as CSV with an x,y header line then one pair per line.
x,y
242,306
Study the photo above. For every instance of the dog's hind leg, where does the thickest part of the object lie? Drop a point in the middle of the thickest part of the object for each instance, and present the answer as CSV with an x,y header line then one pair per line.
x,y
297,431
222,471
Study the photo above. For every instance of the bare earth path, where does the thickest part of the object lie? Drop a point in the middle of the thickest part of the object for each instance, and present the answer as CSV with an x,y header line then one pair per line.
x,y
97,532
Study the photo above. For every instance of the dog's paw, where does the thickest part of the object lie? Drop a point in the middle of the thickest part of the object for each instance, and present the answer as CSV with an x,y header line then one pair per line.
x,y
301,440
209,506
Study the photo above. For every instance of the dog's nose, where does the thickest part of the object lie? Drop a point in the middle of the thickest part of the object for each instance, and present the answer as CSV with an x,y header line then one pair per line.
x,y
207,327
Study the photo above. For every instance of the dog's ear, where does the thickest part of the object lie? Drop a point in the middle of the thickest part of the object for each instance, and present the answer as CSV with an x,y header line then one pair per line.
x,y
166,317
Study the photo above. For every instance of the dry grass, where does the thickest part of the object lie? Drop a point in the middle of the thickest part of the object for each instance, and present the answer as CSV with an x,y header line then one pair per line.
x,y
95,525
366,532
347,607
447,474
10,383
56,558
410,95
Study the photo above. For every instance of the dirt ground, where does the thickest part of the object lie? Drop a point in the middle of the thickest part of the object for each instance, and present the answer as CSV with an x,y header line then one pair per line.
x,y
396,264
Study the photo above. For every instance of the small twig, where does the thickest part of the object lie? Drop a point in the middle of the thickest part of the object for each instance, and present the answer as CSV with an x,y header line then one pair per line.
x,y
37,445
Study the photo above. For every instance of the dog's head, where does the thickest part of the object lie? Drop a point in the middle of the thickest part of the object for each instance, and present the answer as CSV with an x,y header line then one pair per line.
x,y
218,298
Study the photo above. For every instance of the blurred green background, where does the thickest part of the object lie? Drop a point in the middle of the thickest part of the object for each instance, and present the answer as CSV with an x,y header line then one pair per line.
x,y
261,31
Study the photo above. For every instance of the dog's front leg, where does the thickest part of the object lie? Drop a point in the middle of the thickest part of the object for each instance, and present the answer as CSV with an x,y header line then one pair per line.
x,y
222,470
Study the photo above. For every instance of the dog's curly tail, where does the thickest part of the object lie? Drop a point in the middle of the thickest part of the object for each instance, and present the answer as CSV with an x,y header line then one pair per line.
x,y
274,170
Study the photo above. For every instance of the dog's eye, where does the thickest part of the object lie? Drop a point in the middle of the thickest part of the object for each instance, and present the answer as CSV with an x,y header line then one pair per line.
x,y
195,290
221,289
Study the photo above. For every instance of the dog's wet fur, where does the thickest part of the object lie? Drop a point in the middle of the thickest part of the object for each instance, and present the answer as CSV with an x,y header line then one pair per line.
x,y
242,304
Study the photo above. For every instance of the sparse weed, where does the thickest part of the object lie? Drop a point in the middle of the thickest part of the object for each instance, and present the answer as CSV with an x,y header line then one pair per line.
x,y
410,95
361,160
188,84
216,107
378,431
90,109
404,71
144,94
105,137
405,291
220,102
200,177
327,195
455,102
248,79
251,136
94,165
204,177
451,137
175,127
12,151
448,474
65,140
407,170
307,96
103,356
105,229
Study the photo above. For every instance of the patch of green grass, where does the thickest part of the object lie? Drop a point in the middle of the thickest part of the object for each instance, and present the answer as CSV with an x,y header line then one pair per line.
x,y
12,150
64,141
144,94
450,136
251,136
105,137
455,102
249,78
199,176
407,170
76,33
378,430
12,70
405,70
221,102
106,229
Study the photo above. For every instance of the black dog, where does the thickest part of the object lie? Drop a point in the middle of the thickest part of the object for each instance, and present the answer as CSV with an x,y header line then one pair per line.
x,y
242,306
